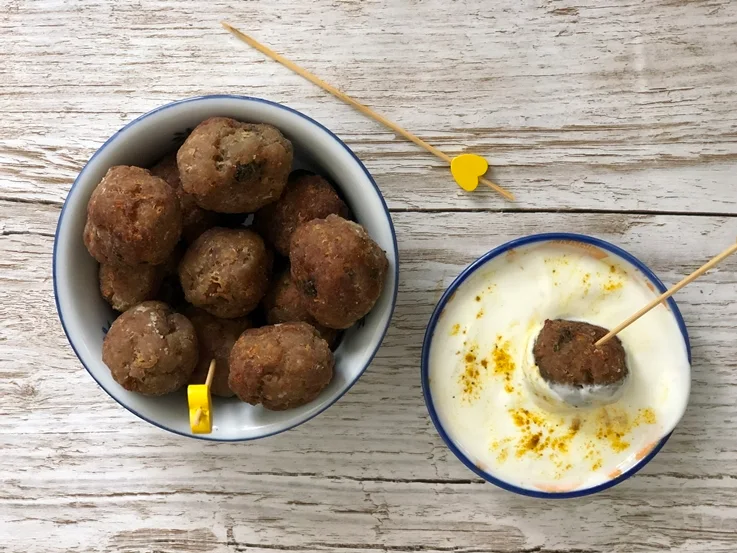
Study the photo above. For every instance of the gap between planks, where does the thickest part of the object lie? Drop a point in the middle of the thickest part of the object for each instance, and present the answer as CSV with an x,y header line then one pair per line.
x,y
490,209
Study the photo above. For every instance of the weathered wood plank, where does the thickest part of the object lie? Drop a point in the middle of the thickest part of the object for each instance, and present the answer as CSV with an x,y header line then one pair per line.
x,y
286,514
85,471
579,106
619,107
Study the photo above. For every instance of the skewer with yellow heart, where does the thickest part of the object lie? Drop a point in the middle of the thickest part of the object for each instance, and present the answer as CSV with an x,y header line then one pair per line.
x,y
200,404
467,169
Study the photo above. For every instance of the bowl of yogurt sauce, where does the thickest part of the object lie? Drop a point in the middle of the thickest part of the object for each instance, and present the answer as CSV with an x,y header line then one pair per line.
x,y
482,387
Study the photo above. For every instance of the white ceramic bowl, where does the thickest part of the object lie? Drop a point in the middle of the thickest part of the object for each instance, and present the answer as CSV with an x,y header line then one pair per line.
x,y
634,265
86,316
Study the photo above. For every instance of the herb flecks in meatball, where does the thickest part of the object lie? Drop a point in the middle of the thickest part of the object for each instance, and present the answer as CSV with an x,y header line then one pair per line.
x,y
305,198
338,269
133,218
565,352
283,304
195,220
150,349
281,366
226,272
234,167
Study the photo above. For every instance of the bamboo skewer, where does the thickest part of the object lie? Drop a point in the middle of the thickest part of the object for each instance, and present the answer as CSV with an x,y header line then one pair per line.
x,y
664,296
208,383
210,374
359,106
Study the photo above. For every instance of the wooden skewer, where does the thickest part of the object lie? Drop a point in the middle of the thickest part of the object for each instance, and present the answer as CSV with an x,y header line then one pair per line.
x,y
664,296
208,383
210,374
348,100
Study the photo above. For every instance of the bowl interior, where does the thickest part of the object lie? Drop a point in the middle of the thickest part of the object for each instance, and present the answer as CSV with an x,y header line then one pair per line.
x,y
622,257
86,316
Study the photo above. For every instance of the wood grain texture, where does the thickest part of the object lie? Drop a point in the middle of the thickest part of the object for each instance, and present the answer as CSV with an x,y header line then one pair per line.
x,y
626,106
342,482
614,119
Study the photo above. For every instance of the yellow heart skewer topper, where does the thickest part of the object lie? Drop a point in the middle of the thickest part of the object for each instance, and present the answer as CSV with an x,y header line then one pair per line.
x,y
465,165
200,404
467,169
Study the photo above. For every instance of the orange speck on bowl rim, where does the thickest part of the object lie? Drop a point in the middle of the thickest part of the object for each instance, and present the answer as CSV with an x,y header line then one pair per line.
x,y
645,451
557,488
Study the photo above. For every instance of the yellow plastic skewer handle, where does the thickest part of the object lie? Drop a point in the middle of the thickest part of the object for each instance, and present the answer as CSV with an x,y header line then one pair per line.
x,y
198,397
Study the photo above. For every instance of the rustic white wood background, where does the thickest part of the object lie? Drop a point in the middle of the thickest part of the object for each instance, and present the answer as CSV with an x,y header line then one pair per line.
x,y
614,118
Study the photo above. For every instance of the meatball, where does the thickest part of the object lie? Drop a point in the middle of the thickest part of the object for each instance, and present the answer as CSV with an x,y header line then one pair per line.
x,y
305,197
234,167
565,352
283,304
226,272
195,220
338,270
150,349
215,338
281,366
123,286
133,218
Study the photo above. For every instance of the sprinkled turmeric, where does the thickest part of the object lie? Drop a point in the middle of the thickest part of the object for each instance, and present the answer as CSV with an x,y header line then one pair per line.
x,y
612,285
613,425
470,378
503,363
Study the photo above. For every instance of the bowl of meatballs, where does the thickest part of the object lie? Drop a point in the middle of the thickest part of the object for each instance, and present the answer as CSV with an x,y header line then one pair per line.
x,y
232,229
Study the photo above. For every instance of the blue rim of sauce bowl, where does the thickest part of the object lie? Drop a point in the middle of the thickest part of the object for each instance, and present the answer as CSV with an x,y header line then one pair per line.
x,y
460,279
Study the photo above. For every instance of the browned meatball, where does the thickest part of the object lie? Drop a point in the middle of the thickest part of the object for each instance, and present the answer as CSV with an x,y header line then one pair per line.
x,y
195,220
123,286
215,338
133,218
281,366
234,167
306,197
338,269
283,304
565,352
150,349
226,272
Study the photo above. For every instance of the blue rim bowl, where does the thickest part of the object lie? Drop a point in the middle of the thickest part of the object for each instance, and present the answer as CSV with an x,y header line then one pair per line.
x,y
85,316
460,279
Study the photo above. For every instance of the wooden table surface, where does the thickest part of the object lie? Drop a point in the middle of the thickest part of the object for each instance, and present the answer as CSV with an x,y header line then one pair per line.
x,y
616,119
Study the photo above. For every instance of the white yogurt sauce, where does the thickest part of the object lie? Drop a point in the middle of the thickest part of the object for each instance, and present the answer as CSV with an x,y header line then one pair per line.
x,y
481,368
